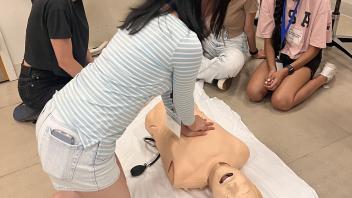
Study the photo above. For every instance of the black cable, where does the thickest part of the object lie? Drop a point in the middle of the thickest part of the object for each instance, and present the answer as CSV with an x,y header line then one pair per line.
x,y
139,169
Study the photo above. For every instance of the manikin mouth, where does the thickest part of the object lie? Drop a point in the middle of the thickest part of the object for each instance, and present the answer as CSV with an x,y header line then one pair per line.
x,y
225,177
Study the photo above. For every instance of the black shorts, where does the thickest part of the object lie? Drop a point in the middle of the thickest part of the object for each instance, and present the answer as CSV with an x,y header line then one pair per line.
x,y
36,87
313,65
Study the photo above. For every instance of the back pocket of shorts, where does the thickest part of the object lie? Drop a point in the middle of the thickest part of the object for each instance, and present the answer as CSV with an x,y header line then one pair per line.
x,y
59,159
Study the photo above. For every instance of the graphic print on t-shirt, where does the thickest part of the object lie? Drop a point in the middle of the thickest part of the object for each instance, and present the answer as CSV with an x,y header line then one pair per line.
x,y
311,25
296,32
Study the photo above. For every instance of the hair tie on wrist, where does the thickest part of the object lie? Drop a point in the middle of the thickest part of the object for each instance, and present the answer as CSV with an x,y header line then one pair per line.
x,y
254,53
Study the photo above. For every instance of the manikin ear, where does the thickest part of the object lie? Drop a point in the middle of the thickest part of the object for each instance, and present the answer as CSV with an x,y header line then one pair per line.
x,y
147,124
153,122
258,193
153,130
171,172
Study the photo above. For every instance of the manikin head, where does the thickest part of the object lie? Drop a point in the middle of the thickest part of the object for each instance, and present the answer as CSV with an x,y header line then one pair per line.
x,y
228,182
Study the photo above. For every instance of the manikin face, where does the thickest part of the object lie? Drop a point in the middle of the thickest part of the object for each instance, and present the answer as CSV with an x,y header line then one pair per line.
x,y
228,182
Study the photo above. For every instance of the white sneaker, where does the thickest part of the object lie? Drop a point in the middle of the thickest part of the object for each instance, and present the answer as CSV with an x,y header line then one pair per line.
x,y
329,71
224,84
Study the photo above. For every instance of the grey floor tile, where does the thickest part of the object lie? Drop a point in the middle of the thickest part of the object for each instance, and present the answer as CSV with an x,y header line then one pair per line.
x,y
328,170
27,183
292,134
17,142
9,94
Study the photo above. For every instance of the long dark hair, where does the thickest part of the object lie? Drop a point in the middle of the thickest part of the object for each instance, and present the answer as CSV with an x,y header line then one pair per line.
x,y
189,11
276,36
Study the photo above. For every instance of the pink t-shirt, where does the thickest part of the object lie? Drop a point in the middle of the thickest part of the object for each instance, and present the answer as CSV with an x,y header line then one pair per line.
x,y
312,26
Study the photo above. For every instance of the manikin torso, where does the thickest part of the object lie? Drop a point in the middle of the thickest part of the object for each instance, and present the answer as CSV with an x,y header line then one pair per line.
x,y
192,162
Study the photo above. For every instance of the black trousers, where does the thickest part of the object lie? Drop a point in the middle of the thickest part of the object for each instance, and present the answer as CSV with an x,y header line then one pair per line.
x,y
37,87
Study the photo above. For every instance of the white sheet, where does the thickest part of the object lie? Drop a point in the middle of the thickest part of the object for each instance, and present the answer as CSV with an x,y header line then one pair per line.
x,y
264,168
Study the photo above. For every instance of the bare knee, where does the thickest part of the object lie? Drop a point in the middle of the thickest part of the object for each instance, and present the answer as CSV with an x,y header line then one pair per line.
x,y
282,102
255,94
59,195
66,195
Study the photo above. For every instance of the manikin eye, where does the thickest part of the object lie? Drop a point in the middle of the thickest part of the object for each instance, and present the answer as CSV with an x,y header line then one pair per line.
x,y
225,177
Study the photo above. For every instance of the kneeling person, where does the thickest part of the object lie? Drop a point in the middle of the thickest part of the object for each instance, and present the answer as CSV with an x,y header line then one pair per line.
x,y
225,56
56,50
294,33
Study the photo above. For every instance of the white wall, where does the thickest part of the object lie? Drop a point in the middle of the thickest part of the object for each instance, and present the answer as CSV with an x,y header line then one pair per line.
x,y
103,16
13,20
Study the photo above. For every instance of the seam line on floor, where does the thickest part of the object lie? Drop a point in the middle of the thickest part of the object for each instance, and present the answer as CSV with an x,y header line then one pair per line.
x,y
18,170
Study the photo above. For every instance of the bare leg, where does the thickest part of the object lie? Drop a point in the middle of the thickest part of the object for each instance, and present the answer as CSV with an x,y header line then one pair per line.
x,y
255,88
118,190
62,194
296,88
308,89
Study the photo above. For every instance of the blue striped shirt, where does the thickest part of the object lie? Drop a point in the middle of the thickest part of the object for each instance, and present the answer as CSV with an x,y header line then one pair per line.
x,y
102,100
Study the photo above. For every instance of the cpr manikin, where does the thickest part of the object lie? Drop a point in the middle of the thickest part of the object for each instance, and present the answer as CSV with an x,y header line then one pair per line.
x,y
212,160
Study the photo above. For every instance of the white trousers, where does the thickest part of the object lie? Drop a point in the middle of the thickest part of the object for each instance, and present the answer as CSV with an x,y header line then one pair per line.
x,y
223,58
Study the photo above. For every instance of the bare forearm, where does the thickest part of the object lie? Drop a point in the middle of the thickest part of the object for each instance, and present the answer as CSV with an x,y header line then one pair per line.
x,y
270,54
64,55
250,31
306,57
251,40
71,66
89,57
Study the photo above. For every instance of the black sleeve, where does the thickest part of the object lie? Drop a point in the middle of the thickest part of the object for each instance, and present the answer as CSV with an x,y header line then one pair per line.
x,y
58,23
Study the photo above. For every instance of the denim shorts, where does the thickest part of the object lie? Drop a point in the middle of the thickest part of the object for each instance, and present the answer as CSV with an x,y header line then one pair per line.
x,y
71,167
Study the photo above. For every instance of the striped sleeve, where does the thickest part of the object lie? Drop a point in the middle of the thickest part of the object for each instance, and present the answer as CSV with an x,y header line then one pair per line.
x,y
168,102
186,61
